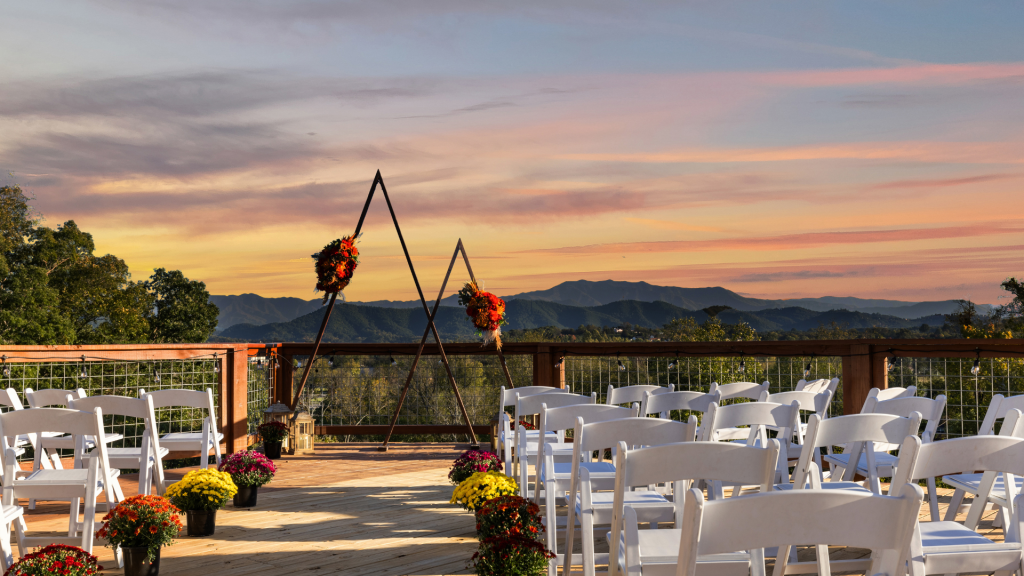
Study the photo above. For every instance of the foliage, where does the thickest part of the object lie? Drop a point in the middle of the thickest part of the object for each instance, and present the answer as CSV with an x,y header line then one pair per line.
x,y
471,462
712,330
481,487
511,556
273,431
203,489
509,516
141,522
184,313
248,468
55,559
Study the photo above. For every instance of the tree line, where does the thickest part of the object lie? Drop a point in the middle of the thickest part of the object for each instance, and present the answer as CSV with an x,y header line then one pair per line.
x,y
54,289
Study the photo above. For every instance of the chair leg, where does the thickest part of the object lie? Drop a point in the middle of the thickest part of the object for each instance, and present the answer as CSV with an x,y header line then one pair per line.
x,y
933,500
216,451
73,517
551,517
7,557
587,538
954,505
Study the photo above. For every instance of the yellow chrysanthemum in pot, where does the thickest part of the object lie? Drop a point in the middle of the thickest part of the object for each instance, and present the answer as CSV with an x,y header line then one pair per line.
x,y
481,487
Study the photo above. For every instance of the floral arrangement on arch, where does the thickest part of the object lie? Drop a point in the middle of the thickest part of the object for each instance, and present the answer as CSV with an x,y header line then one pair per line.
x,y
511,556
143,522
471,462
509,516
273,431
203,489
335,265
248,468
481,487
55,559
486,310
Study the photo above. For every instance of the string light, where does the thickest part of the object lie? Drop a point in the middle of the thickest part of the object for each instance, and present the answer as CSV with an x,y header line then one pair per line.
x,y
894,362
330,362
393,361
83,373
976,369
216,364
742,367
558,363
622,367
156,376
673,363
7,369
807,371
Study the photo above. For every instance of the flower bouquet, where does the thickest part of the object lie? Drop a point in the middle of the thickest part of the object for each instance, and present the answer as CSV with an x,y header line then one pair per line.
x,y
273,434
335,265
140,525
511,556
472,461
55,559
249,470
200,494
481,487
486,310
508,516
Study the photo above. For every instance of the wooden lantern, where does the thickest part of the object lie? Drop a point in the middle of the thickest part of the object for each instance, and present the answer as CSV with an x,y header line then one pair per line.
x,y
300,434
280,413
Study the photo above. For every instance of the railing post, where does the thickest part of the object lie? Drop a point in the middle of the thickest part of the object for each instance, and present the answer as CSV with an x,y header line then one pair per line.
x,y
237,399
863,370
283,390
547,370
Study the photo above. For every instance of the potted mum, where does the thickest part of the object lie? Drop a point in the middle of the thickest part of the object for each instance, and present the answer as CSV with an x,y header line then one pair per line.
x,y
273,434
481,487
249,470
508,516
55,559
200,494
511,556
140,525
472,461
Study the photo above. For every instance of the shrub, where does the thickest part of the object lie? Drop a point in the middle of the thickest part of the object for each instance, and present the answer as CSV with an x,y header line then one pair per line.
x,y
511,556
508,516
273,431
248,468
141,522
472,461
55,559
203,489
481,487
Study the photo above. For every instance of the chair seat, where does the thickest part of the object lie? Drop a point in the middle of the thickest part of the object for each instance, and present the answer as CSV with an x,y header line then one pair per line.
x,y
68,442
951,548
65,477
969,483
649,506
128,454
659,554
884,462
837,485
939,537
563,470
182,438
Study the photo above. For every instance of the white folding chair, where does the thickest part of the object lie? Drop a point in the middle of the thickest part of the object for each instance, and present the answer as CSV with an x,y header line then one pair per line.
x,y
859,431
526,444
148,457
946,547
891,393
648,552
203,442
931,411
48,444
810,402
9,515
95,477
9,398
757,416
819,385
970,483
664,404
733,390
882,524
635,393
592,508
507,399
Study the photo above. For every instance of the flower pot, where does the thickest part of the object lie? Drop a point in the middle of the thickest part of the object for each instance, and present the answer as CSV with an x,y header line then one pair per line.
x,y
137,564
272,450
201,522
246,497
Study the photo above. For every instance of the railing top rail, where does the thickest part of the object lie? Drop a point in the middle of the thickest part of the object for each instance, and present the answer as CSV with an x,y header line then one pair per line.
x,y
119,352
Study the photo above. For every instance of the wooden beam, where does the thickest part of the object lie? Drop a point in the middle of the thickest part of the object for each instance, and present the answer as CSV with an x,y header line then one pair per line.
x,y
381,429
238,401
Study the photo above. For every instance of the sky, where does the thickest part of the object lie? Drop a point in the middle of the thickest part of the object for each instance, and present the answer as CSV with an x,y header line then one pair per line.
x,y
778,149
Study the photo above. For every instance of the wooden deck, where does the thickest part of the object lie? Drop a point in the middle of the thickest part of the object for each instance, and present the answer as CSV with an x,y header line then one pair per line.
x,y
347,509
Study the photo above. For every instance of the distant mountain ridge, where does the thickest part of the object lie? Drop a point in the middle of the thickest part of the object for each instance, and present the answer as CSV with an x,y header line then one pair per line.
x,y
255,310
361,323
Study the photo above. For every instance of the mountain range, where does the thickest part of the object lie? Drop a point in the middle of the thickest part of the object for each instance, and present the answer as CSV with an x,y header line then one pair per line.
x,y
594,296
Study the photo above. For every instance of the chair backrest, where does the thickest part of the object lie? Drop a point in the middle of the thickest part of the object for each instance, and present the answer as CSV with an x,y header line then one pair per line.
x,y
1003,453
508,395
633,431
61,420
997,409
931,410
566,417
753,414
890,393
683,400
9,397
852,431
186,399
51,396
530,405
882,524
635,393
749,390
125,406
818,385
809,401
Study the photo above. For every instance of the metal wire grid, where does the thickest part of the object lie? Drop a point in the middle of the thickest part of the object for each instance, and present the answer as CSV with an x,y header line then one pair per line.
x,y
587,374
123,378
258,391
967,395
353,390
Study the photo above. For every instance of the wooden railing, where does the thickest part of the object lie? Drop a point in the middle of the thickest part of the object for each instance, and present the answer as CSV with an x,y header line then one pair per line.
x,y
864,366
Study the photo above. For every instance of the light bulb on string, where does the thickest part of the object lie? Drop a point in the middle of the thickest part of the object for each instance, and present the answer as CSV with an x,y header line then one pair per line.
x,y
156,376
216,364
7,369
894,363
976,369
393,361
622,367
807,371
83,373
259,363
672,365
330,362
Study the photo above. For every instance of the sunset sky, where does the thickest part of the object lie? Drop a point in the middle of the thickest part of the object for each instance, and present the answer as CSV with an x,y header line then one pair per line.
x,y
797,149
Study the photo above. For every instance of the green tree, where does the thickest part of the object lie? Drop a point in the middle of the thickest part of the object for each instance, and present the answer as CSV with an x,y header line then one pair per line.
x,y
184,313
